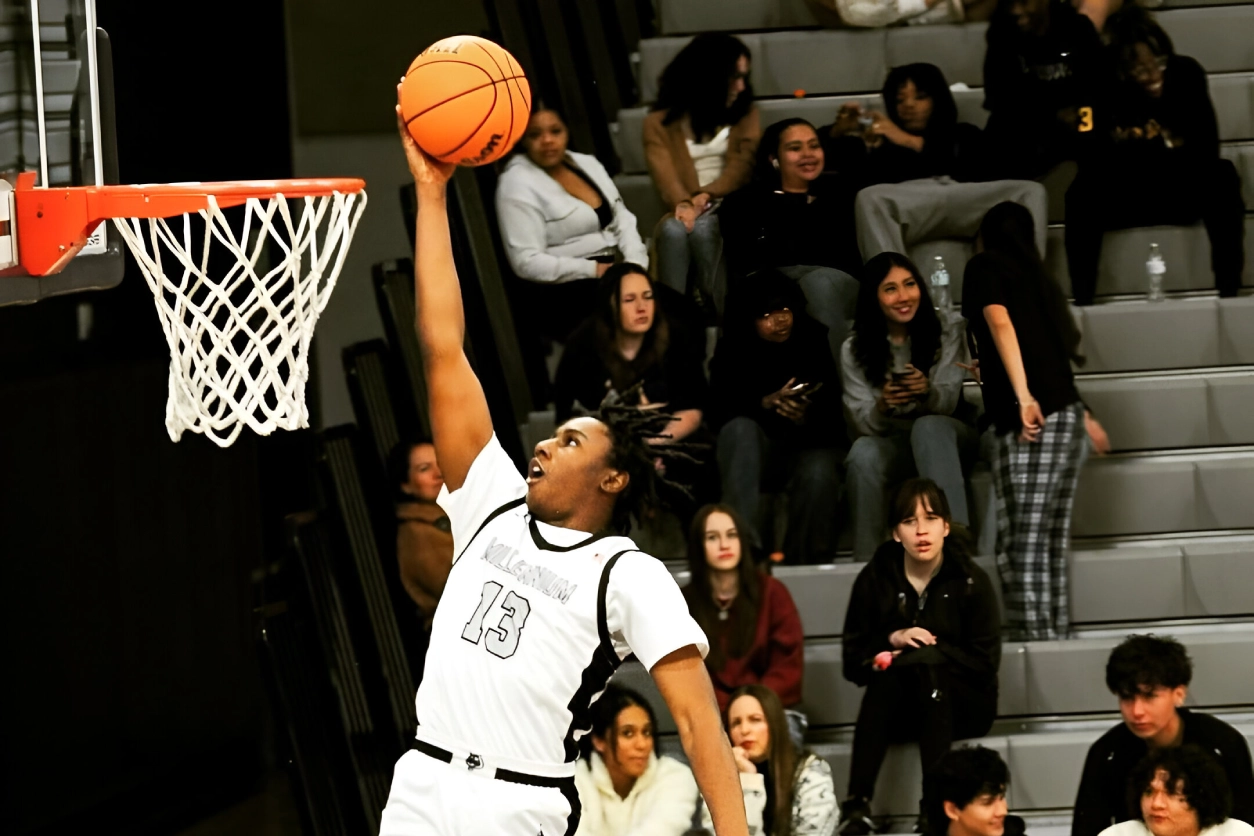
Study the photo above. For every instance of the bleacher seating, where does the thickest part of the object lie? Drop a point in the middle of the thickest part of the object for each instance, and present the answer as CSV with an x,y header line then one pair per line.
x,y
1164,527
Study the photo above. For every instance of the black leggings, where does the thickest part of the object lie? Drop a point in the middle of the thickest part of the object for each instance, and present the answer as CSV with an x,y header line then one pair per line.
x,y
1112,196
899,707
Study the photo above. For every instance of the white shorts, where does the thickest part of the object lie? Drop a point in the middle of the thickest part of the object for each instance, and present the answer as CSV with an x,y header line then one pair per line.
x,y
432,797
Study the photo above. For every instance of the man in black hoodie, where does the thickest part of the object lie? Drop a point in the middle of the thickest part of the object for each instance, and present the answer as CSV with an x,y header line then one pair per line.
x,y
1045,83
1151,676
775,397
1158,161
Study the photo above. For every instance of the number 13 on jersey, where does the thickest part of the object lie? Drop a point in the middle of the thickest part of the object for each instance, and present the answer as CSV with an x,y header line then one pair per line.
x,y
502,640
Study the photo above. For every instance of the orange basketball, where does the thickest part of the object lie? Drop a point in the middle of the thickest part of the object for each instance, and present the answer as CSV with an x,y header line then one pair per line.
x,y
465,100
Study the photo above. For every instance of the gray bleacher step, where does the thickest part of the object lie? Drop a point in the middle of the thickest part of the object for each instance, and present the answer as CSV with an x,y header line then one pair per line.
x,y
1159,412
1171,492
682,17
1177,334
1230,92
857,60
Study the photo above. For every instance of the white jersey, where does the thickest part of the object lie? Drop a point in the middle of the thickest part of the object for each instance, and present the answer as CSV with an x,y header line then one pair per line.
x,y
533,621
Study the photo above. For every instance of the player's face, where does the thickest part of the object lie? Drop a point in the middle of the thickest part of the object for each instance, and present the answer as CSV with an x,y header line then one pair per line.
x,y
899,296
985,815
633,743
568,468
746,724
722,542
1166,810
923,535
635,304
1153,711
545,139
914,107
425,479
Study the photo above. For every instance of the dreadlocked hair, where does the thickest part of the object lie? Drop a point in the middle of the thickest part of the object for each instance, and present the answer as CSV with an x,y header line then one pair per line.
x,y
631,429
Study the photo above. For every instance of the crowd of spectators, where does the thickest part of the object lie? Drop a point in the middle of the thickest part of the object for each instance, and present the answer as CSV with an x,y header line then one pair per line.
x,y
834,403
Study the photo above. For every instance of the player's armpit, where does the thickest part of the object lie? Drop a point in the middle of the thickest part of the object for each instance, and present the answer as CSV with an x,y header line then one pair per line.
x,y
685,685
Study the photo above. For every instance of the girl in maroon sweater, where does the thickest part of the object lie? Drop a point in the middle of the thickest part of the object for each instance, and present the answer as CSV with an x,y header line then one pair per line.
x,y
749,618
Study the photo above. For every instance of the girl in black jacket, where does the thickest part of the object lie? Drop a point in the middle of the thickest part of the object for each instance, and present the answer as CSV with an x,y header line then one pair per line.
x,y
923,634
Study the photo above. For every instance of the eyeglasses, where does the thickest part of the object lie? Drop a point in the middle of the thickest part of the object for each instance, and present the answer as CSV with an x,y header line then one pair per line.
x,y
1144,71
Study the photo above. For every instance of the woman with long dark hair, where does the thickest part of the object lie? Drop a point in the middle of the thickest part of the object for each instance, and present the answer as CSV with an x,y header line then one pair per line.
x,y
624,786
563,223
1020,329
795,219
699,143
902,391
923,635
916,135
748,617
788,790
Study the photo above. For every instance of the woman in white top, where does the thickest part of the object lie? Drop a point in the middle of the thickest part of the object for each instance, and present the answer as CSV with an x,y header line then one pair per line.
x,y
1180,791
562,221
699,143
624,787
788,791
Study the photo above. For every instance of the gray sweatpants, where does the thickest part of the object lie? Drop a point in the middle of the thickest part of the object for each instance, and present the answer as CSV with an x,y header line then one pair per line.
x,y
897,216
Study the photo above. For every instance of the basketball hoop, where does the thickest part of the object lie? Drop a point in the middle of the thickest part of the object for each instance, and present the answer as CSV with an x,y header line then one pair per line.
x,y
239,341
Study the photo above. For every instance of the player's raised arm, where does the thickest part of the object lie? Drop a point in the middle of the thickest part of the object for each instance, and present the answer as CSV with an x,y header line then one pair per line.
x,y
460,422
685,685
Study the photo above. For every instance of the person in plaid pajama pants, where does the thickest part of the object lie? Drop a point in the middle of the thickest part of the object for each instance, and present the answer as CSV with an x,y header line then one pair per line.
x,y
1021,330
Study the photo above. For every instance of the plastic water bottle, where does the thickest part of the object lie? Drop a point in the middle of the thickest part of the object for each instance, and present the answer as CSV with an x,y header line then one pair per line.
x,y
1156,271
940,286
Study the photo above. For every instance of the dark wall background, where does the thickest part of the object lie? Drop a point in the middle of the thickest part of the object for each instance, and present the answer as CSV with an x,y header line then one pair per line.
x,y
132,698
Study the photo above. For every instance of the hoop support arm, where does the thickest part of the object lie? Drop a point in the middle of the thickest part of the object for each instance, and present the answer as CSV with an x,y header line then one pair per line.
x,y
55,222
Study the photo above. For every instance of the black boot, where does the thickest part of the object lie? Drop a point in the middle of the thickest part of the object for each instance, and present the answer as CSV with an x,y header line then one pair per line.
x,y
855,817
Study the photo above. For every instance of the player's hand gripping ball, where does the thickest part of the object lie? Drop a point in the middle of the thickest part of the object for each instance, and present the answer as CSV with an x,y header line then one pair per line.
x,y
465,100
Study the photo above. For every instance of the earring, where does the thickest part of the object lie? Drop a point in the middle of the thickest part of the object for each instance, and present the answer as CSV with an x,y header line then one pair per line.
x,y
775,163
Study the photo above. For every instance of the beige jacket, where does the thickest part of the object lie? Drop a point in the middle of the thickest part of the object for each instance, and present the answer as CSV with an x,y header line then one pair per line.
x,y
424,550
670,165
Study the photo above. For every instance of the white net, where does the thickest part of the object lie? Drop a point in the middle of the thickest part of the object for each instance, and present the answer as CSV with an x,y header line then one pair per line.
x,y
239,311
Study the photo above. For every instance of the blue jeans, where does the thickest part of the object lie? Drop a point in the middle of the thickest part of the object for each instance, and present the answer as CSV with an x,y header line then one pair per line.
x,y
831,296
678,251
750,462
937,447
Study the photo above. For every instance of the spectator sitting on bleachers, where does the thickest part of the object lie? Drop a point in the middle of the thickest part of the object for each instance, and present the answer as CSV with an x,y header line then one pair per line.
x,y
424,538
562,221
699,143
1161,165
750,620
1022,333
880,13
923,634
631,340
902,387
1150,675
793,218
964,794
625,788
918,136
788,790
775,394
1179,792
1045,82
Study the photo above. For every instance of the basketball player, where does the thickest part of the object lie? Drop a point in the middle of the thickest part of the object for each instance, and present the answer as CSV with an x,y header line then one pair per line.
x,y
543,602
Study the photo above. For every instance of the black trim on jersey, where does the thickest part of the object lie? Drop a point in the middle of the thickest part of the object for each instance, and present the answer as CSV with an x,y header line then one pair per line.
x,y
598,672
576,808
509,775
433,751
541,543
489,518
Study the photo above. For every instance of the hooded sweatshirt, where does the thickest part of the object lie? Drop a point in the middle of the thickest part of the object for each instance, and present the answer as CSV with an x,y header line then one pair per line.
x,y
661,803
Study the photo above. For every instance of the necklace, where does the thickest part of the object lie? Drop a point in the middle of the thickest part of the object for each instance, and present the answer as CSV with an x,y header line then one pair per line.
x,y
724,604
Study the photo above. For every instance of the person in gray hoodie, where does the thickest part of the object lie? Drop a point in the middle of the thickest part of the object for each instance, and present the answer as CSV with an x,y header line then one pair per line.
x,y
902,389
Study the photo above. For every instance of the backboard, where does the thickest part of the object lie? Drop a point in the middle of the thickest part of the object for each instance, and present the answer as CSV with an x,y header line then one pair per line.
x,y
56,119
